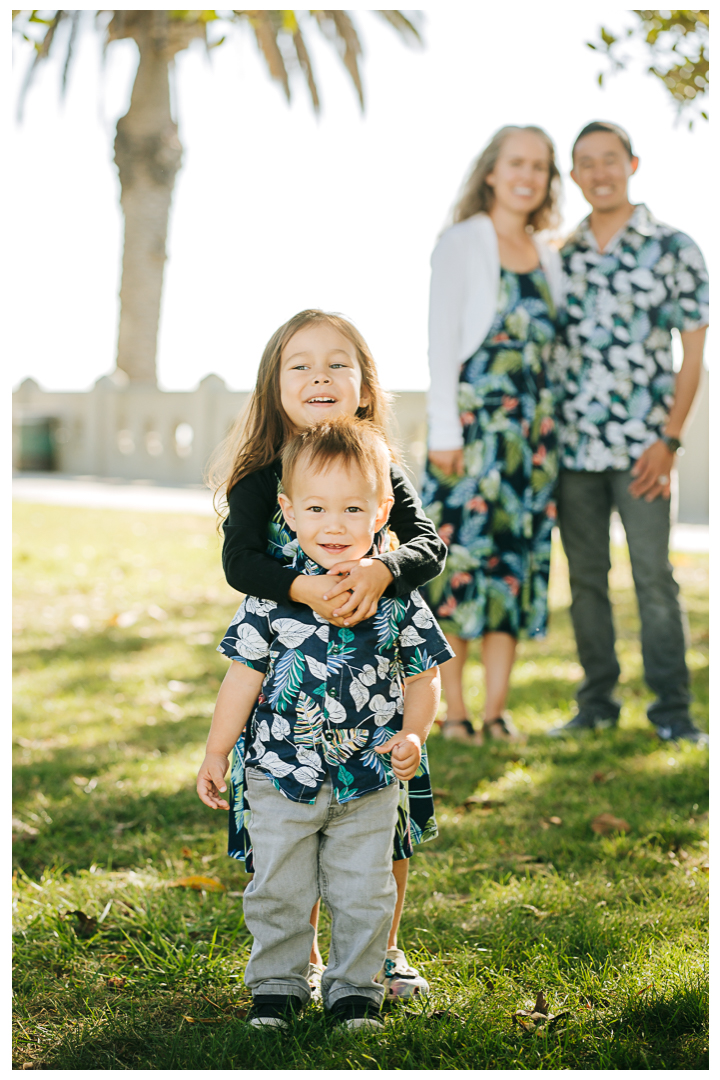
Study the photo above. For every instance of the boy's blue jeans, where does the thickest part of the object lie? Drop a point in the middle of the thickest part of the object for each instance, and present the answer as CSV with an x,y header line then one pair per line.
x,y
340,852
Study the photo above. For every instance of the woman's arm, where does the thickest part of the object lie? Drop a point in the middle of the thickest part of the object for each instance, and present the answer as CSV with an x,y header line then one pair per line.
x,y
447,301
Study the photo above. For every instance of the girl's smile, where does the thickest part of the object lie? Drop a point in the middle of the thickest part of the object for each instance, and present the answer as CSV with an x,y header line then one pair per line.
x,y
320,376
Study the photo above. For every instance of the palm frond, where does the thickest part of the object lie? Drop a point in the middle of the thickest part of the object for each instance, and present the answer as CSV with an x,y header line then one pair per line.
x,y
337,26
74,23
402,24
304,61
266,35
42,49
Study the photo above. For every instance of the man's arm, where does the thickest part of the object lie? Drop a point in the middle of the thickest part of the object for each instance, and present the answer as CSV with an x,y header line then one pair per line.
x,y
235,702
657,460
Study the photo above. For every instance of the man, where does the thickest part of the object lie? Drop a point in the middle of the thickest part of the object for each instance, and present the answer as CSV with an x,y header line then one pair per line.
x,y
629,280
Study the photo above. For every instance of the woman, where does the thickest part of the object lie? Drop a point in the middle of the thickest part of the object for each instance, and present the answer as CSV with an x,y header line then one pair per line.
x,y
492,460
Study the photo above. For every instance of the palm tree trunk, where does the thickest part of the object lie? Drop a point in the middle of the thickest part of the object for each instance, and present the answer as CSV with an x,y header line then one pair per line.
x,y
148,155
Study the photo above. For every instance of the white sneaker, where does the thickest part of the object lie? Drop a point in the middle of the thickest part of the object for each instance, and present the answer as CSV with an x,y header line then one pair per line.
x,y
400,979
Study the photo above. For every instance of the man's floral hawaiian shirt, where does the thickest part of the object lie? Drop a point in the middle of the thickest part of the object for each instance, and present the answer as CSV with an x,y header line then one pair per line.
x,y
612,365
330,694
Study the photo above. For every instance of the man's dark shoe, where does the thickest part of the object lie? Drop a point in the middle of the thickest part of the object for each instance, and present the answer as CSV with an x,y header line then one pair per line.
x,y
274,1010
357,1012
684,729
583,722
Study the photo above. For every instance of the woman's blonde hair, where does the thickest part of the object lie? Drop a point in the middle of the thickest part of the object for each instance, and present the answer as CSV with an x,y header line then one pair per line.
x,y
478,196
261,431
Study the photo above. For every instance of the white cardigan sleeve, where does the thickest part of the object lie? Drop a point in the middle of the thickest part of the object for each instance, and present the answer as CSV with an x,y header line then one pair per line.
x,y
448,286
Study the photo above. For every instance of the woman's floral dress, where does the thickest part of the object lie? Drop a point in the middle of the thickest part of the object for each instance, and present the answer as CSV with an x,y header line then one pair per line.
x,y
416,812
497,518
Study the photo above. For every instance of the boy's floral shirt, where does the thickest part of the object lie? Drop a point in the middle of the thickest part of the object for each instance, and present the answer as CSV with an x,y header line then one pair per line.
x,y
612,365
330,694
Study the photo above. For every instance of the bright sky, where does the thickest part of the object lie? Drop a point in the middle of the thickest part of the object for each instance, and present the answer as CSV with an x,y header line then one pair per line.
x,y
275,211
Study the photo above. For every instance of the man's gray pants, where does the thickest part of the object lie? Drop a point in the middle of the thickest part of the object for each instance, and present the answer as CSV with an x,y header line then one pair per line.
x,y
340,852
585,501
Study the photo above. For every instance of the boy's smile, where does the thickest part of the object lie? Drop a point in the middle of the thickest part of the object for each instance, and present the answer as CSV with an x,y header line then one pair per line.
x,y
335,511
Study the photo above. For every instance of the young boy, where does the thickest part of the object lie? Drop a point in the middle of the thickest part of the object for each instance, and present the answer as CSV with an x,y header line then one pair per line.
x,y
326,703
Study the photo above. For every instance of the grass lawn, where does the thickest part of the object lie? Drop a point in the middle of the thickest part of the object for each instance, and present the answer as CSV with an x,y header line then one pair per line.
x,y
117,966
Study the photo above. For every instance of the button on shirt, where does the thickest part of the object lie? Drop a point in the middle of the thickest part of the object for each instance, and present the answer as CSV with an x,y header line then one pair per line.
x,y
330,694
612,364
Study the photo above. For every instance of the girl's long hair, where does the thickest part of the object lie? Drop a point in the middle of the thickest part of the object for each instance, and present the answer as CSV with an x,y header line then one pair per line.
x,y
477,196
262,429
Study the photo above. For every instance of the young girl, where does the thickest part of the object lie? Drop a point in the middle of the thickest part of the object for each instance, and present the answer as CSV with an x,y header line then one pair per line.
x,y
314,367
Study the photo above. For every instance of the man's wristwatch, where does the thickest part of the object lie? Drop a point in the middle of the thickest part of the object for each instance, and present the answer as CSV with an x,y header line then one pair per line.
x,y
673,445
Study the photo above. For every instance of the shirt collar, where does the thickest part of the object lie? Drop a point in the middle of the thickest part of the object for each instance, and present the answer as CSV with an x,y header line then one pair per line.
x,y
641,221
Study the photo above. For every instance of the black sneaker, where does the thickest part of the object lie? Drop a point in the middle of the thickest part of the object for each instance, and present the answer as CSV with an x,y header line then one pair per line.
x,y
684,729
274,1010
583,722
357,1012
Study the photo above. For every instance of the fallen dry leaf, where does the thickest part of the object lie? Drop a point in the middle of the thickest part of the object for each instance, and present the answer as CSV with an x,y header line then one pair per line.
x,y
116,982
198,881
538,1018
555,820
604,824
203,1019
602,778
86,924
186,852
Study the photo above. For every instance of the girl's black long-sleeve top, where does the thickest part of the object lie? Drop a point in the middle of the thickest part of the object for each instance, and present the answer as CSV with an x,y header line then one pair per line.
x,y
250,569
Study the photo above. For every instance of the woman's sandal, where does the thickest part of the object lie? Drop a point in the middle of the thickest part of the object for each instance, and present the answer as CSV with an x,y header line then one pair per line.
x,y
462,731
502,729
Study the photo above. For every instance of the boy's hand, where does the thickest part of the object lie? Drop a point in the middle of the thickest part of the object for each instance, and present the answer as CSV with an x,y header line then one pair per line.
x,y
211,781
406,750
367,579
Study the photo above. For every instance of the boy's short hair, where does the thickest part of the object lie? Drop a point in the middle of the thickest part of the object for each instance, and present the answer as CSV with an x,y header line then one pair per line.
x,y
605,125
346,438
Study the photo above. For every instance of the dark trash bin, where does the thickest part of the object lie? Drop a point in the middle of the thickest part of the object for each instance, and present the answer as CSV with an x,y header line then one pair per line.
x,y
37,449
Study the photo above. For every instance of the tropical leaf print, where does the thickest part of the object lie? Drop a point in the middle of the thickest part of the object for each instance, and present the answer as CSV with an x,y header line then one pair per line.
x,y
338,656
387,621
249,643
500,533
340,745
287,679
291,633
308,722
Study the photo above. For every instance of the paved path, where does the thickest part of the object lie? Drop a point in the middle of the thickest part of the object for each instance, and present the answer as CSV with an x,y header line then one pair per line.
x,y
62,490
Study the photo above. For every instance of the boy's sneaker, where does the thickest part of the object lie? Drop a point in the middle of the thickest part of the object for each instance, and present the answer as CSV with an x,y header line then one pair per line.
x,y
313,974
357,1012
274,1010
399,978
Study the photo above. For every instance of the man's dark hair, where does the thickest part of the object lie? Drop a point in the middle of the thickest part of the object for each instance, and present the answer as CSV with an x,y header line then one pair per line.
x,y
605,125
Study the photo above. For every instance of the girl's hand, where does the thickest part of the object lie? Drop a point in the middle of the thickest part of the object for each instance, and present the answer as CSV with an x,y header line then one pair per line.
x,y
450,462
406,752
311,589
211,781
367,579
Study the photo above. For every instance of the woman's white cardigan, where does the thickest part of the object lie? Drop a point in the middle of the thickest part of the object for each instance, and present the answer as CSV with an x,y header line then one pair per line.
x,y
463,300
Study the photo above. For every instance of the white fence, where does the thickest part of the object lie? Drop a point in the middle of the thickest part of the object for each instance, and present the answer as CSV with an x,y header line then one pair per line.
x,y
137,432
